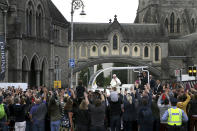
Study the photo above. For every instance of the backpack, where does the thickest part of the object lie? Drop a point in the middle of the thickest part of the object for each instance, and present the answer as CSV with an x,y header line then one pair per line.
x,y
65,122
2,111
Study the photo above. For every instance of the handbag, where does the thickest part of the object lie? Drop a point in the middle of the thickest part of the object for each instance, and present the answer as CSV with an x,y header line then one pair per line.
x,y
65,122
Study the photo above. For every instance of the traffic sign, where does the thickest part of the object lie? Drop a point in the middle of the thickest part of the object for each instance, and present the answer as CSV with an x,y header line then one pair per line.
x,y
177,73
72,63
57,84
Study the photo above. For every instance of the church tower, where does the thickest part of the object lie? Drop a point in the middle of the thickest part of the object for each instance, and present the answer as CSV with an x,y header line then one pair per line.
x,y
179,17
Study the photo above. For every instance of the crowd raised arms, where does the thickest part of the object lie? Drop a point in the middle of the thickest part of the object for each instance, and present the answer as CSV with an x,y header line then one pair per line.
x,y
146,107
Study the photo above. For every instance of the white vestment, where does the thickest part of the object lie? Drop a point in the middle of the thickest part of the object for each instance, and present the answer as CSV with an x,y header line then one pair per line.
x,y
115,82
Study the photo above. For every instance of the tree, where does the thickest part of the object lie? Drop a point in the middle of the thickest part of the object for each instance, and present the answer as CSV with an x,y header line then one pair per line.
x,y
121,74
84,75
107,81
100,79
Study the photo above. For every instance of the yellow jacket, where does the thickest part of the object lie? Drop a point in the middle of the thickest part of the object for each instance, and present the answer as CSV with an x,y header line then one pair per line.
x,y
183,105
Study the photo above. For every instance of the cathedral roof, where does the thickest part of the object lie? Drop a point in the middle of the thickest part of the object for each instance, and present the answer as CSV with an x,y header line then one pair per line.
x,y
90,31
3,2
130,32
57,17
183,46
144,32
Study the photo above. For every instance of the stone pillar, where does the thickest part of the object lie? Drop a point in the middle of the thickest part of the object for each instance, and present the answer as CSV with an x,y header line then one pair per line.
x,y
51,77
6,73
128,76
77,77
91,69
38,78
132,77
18,75
26,76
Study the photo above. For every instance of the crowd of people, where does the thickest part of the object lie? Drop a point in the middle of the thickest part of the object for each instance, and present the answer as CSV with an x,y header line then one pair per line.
x,y
146,107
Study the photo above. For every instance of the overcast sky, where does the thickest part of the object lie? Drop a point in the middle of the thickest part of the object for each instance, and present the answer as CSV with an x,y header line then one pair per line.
x,y
101,10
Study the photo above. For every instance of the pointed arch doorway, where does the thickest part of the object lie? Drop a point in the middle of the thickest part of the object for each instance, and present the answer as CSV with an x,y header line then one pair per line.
x,y
25,70
34,73
44,73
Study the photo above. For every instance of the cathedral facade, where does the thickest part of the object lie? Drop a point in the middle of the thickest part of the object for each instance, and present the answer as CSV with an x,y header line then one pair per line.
x,y
179,18
37,36
36,41
162,37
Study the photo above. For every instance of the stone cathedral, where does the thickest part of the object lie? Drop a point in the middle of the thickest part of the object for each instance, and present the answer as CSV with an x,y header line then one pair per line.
x,y
163,37
37,38
36,35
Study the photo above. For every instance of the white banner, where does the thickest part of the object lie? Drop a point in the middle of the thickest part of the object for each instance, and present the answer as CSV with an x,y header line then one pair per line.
x,y
177,73
22,86
3,58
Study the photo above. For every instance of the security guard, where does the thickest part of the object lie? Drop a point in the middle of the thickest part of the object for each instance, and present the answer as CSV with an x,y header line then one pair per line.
x,y
174,116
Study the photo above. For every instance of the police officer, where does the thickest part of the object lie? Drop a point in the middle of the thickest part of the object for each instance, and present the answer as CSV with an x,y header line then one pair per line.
x,y
174,116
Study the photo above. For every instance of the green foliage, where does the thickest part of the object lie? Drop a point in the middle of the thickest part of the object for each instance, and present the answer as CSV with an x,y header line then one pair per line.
x,y
107,81
100,79
83,76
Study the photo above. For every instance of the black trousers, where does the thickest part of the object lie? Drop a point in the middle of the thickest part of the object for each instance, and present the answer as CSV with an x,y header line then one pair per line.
x,y
115,123
97,128
82,127
174,128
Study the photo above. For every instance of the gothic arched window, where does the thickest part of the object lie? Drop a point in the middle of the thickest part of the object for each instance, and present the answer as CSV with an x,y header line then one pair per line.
x,y
172,23
94,48
166,23
39,23
146,53
178,26
57,68
193,24
156,53
57,62
29,18
115,42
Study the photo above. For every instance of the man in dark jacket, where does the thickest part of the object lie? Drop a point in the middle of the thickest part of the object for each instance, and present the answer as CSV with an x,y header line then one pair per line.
x,y
158,88
115,112
19,115
145,115
80,91
144,79
152,82
193,113
97,113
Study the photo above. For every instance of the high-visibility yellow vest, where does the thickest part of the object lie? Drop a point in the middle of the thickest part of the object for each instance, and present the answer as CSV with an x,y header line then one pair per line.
x,y
175,117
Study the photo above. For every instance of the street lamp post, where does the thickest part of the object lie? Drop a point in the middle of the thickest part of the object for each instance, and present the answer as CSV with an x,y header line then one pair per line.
x,y
75,5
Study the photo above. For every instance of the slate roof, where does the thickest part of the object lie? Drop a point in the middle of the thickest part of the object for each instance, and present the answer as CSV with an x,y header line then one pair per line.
x,y
183,46
144,32
130,32
3,2
90,31
57,17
